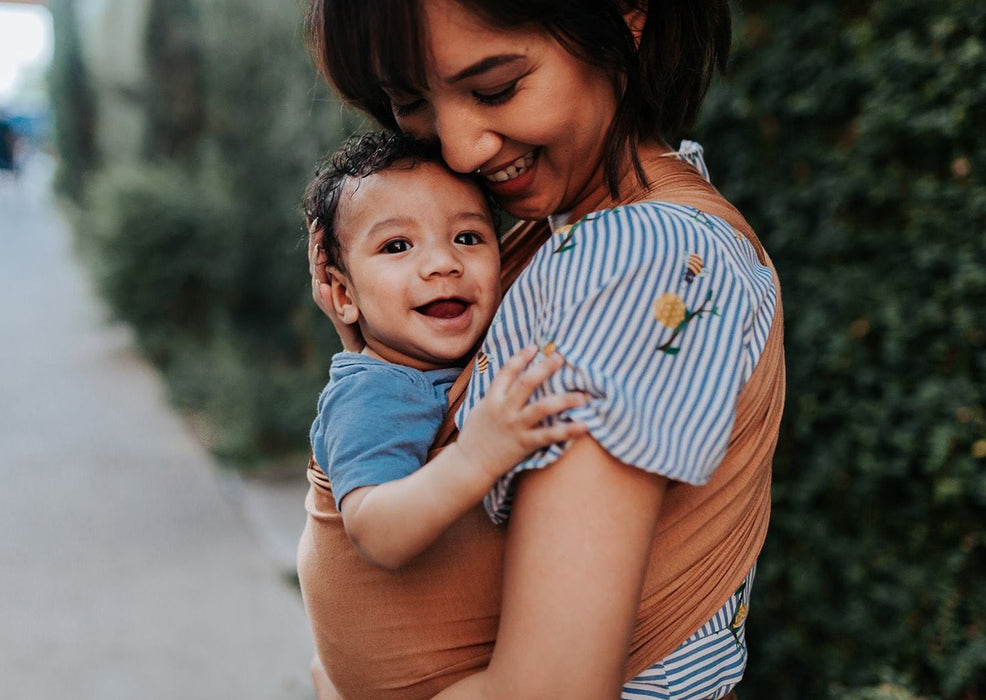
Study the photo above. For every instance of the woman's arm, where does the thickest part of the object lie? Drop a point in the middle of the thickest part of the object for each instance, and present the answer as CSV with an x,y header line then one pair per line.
x,y
577,549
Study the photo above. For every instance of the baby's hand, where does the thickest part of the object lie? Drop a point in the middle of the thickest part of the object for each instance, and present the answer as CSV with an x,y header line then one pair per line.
x,y
504,428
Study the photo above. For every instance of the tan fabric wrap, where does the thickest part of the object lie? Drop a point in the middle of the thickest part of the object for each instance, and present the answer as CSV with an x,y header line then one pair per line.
x,y
410,633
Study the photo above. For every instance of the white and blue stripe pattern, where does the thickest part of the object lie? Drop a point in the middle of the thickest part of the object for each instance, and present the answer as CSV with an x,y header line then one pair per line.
x,y
693,153
670,414
707,665
667,414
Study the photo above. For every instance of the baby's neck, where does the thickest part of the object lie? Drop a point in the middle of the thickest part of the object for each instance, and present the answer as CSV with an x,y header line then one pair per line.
x,y
367,351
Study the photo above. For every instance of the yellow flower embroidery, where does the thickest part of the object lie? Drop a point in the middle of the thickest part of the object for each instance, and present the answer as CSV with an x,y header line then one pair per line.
x,y
669,310
549,348
740,615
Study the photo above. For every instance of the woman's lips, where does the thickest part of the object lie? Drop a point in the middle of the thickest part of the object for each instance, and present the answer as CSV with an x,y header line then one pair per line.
x,y
444,308
513,170
515,178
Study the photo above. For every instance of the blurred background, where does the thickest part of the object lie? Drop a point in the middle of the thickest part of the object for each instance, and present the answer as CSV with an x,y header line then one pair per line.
x,y
851,134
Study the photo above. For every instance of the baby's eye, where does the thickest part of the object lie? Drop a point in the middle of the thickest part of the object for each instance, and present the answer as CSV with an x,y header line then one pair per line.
x,y
397,246
468,238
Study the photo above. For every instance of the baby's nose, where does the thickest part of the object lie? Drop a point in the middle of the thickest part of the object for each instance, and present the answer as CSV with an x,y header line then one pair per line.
x,y
442,260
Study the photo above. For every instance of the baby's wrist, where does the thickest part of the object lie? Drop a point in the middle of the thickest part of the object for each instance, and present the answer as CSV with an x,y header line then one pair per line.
x,y
477,462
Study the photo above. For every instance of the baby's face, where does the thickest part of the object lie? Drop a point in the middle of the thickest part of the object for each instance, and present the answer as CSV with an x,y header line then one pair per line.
x,y
422,263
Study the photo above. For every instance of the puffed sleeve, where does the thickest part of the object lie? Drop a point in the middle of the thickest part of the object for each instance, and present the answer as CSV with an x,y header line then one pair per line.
x,y
374,426
661,312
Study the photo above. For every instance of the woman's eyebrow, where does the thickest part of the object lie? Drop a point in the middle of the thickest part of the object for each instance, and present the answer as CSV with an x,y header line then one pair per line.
x,y
484,65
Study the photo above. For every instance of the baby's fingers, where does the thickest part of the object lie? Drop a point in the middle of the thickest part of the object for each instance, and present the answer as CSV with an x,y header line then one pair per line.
x,y
511,369
560,431
527,382
537,411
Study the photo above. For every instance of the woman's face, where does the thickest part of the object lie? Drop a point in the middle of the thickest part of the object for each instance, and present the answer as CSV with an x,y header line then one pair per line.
x,y
515,106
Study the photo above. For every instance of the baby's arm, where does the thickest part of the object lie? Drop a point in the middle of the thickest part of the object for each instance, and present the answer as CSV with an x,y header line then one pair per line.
x,y
392,522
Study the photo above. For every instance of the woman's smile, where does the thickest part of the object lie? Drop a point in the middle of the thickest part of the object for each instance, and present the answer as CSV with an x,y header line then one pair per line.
x,y
515,179
513,170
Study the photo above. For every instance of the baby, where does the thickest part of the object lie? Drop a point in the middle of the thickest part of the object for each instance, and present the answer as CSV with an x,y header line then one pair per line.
x,y
413,260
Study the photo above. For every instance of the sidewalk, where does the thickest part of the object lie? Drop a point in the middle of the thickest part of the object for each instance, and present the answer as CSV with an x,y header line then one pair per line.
x,y
130,566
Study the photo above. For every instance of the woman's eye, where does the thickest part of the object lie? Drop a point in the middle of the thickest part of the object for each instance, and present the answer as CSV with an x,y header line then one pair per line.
x,y
404,109
497,97
468,238
394,247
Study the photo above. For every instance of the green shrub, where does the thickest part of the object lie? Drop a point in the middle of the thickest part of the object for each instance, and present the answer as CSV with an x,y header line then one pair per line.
x,y
851,143
245,409
199,245
160,257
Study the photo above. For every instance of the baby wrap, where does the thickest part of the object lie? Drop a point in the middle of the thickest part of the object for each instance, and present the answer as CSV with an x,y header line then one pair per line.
x,y
412,632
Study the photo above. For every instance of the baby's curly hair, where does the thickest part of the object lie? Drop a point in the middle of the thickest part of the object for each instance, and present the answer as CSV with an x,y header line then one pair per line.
x,y
359,157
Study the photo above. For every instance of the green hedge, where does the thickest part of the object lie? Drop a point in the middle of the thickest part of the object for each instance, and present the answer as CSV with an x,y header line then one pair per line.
x,y
199,243
852,136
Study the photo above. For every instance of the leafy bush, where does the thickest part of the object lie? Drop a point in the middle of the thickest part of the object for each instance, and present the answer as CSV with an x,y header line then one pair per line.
x,y
198,244
242,406
848,135
159,257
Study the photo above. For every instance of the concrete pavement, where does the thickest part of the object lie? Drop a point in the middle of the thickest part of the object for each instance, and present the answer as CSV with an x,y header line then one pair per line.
x,y
130,566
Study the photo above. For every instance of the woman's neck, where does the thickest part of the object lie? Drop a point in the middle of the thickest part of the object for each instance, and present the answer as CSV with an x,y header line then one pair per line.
x,y
653,158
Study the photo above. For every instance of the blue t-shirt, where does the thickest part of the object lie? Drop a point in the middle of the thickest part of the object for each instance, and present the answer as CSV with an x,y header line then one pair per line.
x,y
376,420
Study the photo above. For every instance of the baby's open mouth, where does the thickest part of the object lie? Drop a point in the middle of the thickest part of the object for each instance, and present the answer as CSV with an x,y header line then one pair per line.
x,y
443,308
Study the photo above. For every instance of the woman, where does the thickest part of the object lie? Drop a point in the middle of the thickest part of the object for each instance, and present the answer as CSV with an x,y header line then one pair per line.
x,y
628,554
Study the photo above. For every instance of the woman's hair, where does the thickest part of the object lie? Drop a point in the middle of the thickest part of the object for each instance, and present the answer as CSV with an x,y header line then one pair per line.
x,y
359,157
360,44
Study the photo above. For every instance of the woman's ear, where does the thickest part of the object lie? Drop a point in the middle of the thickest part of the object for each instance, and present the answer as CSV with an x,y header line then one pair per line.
x,y
342,297
635,16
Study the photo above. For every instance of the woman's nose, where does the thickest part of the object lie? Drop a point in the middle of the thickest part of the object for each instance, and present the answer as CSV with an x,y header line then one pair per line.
x,y
468,141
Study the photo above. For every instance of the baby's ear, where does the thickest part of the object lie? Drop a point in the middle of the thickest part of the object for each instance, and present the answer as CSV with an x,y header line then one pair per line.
x,y
342,299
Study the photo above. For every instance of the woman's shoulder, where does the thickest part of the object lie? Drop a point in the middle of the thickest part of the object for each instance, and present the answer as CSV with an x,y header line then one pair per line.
x,y
651,235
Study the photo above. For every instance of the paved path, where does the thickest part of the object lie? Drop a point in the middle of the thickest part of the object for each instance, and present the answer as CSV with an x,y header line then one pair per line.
x,y
128,568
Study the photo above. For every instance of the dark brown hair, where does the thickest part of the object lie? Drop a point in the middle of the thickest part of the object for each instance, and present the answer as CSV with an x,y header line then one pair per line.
x,y
359,44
